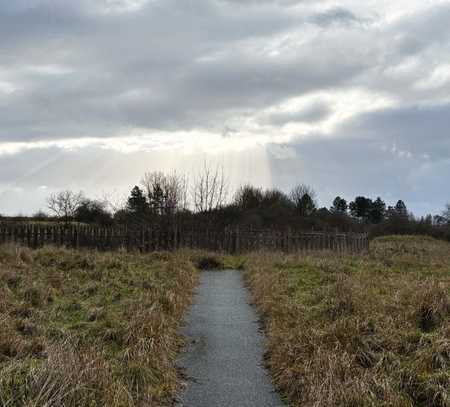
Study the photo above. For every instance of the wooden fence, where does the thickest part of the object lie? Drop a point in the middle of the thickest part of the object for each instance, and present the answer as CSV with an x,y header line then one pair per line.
x,y
146,239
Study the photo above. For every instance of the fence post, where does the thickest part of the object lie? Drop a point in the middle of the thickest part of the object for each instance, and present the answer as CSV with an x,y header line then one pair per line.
x,y
35,236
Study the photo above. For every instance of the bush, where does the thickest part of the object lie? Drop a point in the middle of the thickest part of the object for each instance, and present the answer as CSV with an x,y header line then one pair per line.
x,y
210,263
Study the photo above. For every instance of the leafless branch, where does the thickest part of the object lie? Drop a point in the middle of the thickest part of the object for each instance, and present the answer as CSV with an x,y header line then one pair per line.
x,y
210,189
64,203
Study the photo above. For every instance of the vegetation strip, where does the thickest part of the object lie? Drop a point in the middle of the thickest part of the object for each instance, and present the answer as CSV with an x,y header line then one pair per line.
x,y
358,331
90,329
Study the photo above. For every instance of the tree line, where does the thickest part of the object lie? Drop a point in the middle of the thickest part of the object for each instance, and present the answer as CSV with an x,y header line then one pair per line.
x,y
163,199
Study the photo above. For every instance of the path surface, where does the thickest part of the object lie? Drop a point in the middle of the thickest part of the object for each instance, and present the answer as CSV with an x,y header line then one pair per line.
x,y
224,359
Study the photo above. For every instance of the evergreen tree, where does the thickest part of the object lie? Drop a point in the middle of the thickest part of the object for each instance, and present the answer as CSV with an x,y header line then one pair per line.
x,y
137,204
378,211
339,205
360,208
306,205
401,210
157,199
304,199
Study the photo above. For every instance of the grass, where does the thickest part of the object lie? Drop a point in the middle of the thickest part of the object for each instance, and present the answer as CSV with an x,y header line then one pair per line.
x,y
208,261
93,329
358,331
90,329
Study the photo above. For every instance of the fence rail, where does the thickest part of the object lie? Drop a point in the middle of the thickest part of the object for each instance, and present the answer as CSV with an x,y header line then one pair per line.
x,y
146,239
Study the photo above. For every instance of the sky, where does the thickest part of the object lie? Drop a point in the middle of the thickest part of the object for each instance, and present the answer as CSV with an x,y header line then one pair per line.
x,y
351,97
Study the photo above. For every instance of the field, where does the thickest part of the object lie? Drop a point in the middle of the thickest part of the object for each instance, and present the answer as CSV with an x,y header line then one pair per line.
x,y
90,329
358,331
94,329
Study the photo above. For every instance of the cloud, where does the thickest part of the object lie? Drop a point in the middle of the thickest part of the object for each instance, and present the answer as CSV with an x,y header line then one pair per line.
x,y
310,114
419,129
370,76
335,15
396,153
170,66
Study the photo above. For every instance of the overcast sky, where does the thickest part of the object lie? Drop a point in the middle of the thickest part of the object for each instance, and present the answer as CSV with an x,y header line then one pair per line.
x,y
351,97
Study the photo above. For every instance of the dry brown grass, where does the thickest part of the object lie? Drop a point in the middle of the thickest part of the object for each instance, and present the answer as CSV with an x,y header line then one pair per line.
x,y
358,331
90,329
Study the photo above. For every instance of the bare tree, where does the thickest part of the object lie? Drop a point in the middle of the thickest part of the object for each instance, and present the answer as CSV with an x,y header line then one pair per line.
x,y
210,189
182,186
114,201
304,198
65,203
166,194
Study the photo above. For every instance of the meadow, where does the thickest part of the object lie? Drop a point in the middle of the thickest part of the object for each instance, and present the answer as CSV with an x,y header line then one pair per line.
x,y
369,330
102,328
82,328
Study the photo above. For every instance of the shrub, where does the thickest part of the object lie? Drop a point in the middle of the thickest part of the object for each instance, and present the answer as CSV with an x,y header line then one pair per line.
x,y
210,263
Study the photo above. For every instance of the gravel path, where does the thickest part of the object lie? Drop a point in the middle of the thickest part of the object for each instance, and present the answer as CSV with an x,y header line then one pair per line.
x,y
224,359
